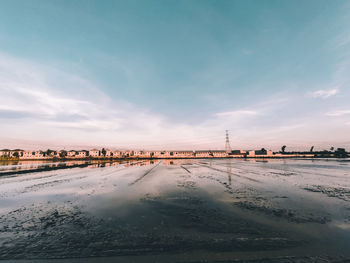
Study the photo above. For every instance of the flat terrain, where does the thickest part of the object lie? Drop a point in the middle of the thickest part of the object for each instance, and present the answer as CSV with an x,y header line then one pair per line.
x,y
176,211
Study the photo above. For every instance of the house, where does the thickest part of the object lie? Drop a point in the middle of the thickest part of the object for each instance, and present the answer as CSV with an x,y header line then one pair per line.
x,y
82,154
117,154
5,152
237,153
211,154
62,153
56,154
28,155
143,154
51,154
71,154
94,153
109,153
204,154
33,155
128,153
167,154
260,153
182,154
219,154
159,154
16,153
11,153
139,154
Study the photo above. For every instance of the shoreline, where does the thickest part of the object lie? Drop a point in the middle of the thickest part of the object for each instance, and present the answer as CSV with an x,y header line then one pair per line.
x,y
169,158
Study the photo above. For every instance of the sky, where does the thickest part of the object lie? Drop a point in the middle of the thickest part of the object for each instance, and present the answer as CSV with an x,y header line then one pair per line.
x,y
164,74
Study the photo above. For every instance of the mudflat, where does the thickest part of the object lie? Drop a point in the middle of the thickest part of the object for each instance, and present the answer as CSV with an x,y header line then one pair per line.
x,y
220,210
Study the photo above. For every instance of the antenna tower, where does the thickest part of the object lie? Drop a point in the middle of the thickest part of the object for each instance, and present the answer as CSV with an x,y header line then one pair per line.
x,y
227,144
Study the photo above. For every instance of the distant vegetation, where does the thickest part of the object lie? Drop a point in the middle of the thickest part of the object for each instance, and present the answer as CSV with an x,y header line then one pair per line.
x,y
338,153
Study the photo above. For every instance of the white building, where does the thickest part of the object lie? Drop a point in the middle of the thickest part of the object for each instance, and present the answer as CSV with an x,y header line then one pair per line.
x,y
117,154
82,154
219,154
204,154
159,154
181,154
94,153
33,155
260,153
71,154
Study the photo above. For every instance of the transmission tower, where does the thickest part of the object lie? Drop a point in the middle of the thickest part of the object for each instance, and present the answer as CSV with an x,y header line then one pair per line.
x,y
227,144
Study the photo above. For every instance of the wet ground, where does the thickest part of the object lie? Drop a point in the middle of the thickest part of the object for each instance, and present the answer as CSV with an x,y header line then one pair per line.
x,y
176,211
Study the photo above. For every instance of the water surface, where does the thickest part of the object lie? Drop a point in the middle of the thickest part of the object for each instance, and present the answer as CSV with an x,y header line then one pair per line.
x,y
176,211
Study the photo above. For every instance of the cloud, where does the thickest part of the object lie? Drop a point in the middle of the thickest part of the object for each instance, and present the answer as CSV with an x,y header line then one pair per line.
x,y
237,113
40,104
43,104
324,94
337,113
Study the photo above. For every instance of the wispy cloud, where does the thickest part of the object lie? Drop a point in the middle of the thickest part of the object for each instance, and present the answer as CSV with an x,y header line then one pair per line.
x,y
337,113
32,108
237,113
324,94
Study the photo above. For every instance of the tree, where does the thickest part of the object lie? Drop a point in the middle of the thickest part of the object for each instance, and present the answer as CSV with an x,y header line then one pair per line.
x,y
63,154
340,152
49,152
16,154
312,149
103,152
332,148
283,148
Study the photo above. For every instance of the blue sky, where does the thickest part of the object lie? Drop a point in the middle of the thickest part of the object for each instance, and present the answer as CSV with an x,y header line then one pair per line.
x,y
175,74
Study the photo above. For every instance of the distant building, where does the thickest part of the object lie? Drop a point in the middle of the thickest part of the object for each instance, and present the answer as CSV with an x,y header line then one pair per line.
x,y
11,153
204,154
71,153
159,154
82,154
94,153
260,153
219,154
109,153
142,154
117,154
184,154
33,155
28,154
16,153
237,153
5,152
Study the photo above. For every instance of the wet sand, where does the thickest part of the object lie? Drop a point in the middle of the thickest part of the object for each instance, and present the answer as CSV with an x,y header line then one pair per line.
x,y
177,211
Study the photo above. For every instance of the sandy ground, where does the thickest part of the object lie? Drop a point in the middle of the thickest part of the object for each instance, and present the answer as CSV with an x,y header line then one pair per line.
x,y
177,211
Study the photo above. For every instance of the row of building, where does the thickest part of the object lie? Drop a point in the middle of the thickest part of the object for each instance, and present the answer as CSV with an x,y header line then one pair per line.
x,y
106,153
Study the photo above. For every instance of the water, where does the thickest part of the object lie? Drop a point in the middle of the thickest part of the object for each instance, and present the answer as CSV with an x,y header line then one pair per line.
x,y
176,211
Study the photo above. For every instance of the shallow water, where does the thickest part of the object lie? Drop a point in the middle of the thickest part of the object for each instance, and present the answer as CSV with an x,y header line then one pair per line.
x,y
177,211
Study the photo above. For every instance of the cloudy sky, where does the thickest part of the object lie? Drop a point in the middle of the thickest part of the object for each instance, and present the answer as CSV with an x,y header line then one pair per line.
x,y
174,74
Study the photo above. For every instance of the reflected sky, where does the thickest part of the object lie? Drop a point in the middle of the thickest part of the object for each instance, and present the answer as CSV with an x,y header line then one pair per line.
x,y
297,207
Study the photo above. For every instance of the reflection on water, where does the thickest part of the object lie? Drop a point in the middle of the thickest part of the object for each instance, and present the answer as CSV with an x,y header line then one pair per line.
x,y
32,165
12,167
229,171
185,210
